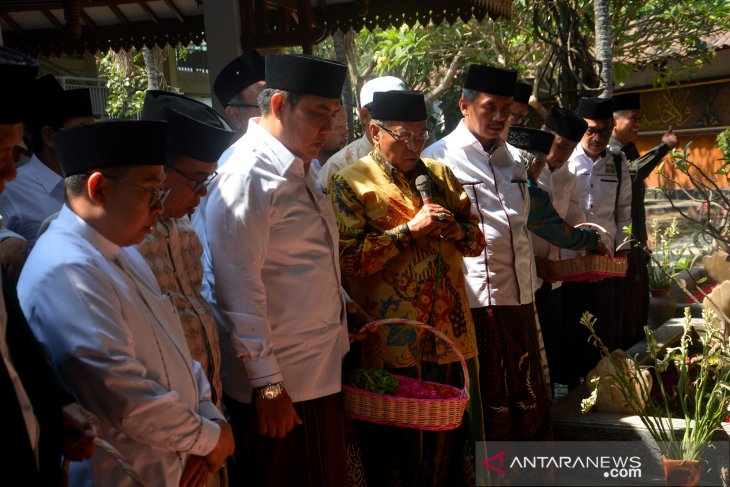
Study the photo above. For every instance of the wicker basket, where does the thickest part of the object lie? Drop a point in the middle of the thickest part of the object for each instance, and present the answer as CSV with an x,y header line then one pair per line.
x,y
590,267
424,414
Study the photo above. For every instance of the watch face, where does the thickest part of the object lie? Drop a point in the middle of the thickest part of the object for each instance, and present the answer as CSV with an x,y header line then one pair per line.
x,y
272,391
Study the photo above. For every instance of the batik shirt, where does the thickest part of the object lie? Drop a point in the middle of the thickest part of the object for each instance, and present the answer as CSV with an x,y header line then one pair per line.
x,y
393,275
173,252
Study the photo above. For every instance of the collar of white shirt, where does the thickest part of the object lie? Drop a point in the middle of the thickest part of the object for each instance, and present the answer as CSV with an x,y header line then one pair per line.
x,y
464,138
71,221
281,157
48,178
580,151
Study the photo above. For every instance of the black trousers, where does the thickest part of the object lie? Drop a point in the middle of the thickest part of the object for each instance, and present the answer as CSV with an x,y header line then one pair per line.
x,y
605,300
549,304
637,297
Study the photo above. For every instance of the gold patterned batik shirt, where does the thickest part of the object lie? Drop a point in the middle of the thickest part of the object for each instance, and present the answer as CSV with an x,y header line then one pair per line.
x,y
392,275
173,252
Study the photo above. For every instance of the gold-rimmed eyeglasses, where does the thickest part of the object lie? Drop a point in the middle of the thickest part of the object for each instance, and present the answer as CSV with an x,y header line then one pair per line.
x,y
410,138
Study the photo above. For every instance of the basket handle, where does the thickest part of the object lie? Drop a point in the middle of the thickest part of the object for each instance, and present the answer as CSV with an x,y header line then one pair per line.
x,y
372,325
601,230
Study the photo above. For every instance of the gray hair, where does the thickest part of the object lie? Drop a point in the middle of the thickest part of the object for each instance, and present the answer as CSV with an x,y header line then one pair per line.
x,y
265,96
529,158
469,95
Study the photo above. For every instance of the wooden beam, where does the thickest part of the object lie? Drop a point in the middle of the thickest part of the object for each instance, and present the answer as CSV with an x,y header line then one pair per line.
x,y
52,18
119,14
149,11
175,10
88,20
9,20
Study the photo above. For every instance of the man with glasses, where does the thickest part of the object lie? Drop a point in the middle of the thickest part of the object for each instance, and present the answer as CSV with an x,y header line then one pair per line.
x,y
197,137
274,282
237,88
604,187
114,337
627,123
37,192
402,258
499,280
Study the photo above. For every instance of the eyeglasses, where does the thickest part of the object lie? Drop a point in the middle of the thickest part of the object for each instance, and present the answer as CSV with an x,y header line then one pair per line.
x,y
602,131
517,119
198,184
408,138
158,196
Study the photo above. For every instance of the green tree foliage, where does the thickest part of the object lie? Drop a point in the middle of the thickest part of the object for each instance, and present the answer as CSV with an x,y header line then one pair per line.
x,y
551,42
126,78
129,74
723,142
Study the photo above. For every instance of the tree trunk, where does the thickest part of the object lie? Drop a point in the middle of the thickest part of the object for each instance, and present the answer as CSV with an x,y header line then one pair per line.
x,y
338,39
604,54
153,75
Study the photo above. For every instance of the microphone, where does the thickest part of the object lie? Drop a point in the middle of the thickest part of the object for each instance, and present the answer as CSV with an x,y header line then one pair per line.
x,y
423,185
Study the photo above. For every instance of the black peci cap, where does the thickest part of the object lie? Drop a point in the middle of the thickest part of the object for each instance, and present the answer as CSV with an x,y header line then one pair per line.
x,y
626,101
595,108
239,74
48,103
523,91
566,124
194,129
111,143
402,106
530,139
77,103
488,79
305,74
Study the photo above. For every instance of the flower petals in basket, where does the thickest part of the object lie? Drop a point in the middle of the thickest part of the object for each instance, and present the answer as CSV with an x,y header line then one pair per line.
x,y
415,403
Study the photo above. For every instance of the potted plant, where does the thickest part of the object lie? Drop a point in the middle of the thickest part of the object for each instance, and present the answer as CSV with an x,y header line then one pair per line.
x,y
691,382
664,264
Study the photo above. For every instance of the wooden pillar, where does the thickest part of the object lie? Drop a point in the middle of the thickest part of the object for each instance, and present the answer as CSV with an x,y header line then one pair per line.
x,y
223,36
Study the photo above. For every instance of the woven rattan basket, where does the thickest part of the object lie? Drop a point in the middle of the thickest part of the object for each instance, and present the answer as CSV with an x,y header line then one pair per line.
x,y
590,267
426,414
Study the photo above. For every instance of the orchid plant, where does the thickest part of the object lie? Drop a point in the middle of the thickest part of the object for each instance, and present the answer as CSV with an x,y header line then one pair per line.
x,y
701,365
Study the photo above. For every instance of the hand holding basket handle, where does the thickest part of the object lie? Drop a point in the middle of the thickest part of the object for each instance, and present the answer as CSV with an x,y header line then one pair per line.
x,y
591,268
608,246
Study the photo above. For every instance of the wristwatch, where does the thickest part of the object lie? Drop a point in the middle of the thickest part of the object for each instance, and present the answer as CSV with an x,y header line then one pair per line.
x,y
270,391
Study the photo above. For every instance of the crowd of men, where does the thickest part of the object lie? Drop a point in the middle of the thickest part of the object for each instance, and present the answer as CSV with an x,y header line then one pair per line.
x,y
192,286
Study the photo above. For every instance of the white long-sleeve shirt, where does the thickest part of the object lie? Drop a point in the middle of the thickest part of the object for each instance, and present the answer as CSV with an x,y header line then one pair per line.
x,y
274,272
597,183
35,194
118,344
348,155
504,274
